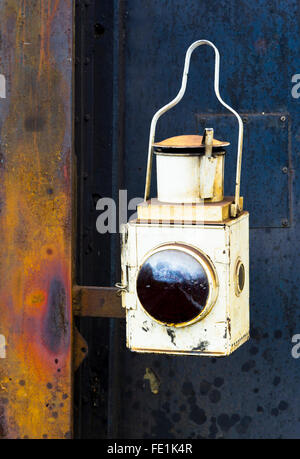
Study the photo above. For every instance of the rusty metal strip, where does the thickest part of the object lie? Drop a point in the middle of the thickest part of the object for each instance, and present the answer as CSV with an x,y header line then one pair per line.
x,y
36,219
97,302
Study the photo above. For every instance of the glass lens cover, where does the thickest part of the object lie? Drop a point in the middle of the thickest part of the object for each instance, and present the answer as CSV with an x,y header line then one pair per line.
x,y
172,286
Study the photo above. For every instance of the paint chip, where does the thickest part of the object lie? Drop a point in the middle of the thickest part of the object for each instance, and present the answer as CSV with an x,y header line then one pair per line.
x,y
2,347
153,380
2,87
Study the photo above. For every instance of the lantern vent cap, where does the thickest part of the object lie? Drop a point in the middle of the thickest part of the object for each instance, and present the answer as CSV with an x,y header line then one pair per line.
x,y
188,141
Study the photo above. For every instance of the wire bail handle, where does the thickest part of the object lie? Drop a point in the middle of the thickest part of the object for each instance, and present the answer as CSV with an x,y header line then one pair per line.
x,y
235,207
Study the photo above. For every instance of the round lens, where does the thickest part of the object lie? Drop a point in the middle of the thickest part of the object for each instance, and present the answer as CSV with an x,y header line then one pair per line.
x,y
241,277
172,286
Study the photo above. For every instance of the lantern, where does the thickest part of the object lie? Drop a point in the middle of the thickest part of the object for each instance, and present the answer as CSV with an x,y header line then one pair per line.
x,y
185,258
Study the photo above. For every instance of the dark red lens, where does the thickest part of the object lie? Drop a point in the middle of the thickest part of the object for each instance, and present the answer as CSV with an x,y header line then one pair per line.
x,y
172,286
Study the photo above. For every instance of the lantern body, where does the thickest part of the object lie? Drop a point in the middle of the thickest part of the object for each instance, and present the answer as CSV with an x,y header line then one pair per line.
x,y
221,249
189,177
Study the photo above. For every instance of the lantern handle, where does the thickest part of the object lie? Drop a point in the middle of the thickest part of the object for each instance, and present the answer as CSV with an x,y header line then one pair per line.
x,y
235,207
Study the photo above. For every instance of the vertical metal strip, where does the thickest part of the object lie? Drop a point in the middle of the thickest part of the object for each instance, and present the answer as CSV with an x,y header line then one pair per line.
x,y
36,219
117,184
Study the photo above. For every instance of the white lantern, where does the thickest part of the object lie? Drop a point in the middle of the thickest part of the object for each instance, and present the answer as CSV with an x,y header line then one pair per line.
x,y
185,259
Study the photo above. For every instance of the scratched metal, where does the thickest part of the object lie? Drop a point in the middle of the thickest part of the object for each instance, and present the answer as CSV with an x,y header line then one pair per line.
x,y
254,392
265,136
35,219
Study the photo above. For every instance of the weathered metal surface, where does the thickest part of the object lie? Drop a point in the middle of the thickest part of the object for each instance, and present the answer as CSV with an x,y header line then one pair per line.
x,y
36,219
267,140
96,150
97,302
254,392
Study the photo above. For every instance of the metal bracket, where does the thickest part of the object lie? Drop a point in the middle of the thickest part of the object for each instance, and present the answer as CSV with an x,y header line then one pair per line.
x,y
97,302
80,349
93,302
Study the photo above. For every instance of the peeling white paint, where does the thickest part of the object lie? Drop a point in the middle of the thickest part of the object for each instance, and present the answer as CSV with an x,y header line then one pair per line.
x,y
2,87
2,347
226,325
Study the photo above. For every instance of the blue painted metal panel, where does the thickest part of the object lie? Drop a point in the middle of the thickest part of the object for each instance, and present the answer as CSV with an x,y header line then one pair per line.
x,y
266,172
252,393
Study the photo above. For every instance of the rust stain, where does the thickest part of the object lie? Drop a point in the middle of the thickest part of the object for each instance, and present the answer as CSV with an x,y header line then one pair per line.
x,y
35,220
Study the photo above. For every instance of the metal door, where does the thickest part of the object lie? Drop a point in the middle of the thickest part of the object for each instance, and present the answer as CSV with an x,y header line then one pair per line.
x,y
129,61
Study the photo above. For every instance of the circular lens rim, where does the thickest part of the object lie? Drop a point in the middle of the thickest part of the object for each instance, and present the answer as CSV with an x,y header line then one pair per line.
x,y
209,270
239,264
